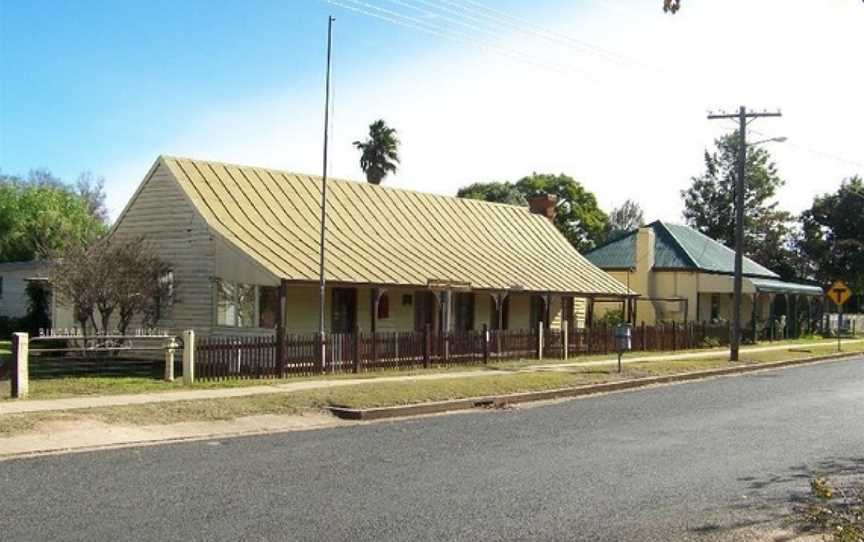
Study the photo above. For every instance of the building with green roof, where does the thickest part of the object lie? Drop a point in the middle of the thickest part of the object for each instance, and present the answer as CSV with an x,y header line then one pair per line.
x,y
683,275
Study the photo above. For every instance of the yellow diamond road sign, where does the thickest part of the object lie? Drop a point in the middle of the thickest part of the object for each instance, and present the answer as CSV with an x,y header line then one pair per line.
x,y
839,292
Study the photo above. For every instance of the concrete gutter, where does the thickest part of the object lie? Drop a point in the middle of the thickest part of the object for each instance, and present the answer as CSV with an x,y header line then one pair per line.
x,y
498,401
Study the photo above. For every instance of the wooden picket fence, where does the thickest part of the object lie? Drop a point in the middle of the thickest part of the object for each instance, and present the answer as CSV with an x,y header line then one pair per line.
x,y
256,357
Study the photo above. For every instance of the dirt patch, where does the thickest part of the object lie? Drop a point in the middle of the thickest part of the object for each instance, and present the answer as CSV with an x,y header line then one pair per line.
x,y
78,434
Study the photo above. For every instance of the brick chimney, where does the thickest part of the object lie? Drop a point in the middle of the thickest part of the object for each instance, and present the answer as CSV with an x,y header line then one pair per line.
x,y
543,204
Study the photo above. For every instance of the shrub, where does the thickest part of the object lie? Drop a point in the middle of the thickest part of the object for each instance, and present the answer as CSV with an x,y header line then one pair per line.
x,y
612,318
836,512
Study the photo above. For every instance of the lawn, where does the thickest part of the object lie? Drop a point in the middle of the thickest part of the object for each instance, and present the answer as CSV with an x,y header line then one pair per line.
x,y
59,388
5,348
379,394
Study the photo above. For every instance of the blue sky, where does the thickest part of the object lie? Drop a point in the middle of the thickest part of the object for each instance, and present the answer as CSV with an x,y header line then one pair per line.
x,y
107,86
94,78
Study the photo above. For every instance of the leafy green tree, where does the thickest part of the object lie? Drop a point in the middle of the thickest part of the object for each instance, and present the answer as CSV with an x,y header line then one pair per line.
x,y
709,205
832,239
495,192
624,219
380,152
577,214
37,217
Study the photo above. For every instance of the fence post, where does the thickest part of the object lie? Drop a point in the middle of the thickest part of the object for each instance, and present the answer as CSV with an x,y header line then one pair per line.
x,y
540,341
188,357
643,335
427,345
356,353
169,359
565,338
485,343
20,384
674,334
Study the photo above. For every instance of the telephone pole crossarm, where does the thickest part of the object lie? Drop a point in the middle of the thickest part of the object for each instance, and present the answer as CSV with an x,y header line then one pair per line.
x,y
750,115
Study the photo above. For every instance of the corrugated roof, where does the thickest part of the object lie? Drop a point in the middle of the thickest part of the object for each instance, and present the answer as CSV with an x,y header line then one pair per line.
x,y
380,235
772,286
676,247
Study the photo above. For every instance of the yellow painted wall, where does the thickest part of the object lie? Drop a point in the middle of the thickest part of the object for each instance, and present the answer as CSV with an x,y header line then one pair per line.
x,y
302,310
482,310
520,311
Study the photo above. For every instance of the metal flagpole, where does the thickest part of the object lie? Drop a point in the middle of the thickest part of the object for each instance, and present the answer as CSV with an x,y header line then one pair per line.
x,y
321,280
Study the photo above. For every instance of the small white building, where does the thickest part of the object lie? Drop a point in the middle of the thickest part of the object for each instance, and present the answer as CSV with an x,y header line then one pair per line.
x,y
14,303
13,285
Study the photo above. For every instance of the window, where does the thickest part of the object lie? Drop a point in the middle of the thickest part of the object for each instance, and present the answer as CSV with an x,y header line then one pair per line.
x,y
715,307
383,307
268,303
464,311
235,304
165,293
245,305
226,303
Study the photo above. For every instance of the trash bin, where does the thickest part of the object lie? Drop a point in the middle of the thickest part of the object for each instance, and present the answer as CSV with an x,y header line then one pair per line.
x,y
623,337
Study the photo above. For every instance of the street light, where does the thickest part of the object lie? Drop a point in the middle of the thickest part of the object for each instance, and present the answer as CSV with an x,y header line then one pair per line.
x,y
781,139
742,116
735,340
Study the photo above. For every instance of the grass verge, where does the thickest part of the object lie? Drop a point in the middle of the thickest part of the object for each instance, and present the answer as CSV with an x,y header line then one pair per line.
x,y
381,394
61,388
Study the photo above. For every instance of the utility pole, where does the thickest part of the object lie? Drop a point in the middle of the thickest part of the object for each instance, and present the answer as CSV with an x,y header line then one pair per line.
x,y
321,280
741,116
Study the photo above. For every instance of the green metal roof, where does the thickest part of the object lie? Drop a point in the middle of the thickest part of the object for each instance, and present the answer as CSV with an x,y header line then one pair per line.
x,y
675,247
771,286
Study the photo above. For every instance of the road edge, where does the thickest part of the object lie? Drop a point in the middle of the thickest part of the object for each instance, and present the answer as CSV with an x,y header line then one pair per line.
x,y
498,401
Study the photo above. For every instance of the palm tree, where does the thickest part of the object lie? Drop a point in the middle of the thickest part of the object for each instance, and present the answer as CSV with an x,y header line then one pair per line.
x,y
380,152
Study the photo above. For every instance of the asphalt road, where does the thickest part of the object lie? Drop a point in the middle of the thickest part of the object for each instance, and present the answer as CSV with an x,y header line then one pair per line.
x,y
684,462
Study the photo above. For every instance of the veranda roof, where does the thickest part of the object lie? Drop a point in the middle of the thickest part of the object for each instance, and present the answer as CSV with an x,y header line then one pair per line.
x,y
771,286
384,236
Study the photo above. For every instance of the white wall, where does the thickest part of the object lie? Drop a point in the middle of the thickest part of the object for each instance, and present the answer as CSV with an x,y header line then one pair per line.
x,y
13,300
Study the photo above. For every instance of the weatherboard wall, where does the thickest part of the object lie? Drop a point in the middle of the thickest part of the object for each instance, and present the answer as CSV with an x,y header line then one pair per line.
x,y
164,216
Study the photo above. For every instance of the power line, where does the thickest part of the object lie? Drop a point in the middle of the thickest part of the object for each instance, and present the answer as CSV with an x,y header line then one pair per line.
x,y
414,23
490,16
817,152
490,23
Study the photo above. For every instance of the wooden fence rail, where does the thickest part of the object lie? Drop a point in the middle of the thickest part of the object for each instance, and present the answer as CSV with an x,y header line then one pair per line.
x,y
255,357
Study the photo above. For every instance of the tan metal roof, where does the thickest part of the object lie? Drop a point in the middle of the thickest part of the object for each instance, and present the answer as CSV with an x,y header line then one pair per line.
x,y
384,236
